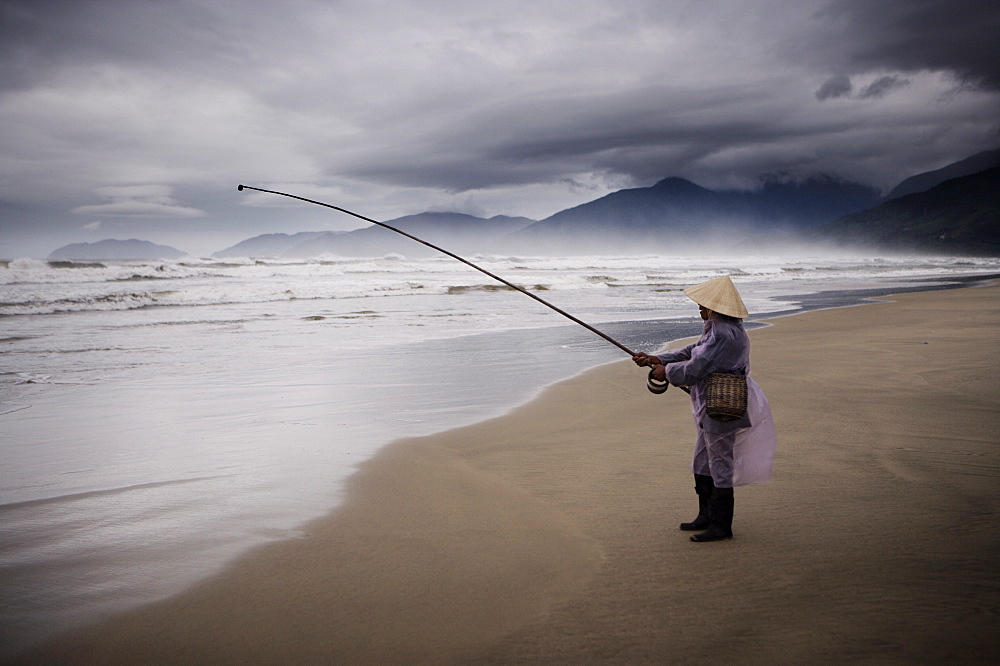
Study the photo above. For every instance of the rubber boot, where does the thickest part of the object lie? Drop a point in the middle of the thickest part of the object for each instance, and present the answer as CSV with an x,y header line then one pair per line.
x,y
703,486
720,522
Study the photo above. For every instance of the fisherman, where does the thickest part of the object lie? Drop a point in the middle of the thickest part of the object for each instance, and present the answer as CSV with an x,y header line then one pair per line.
x,y
727,453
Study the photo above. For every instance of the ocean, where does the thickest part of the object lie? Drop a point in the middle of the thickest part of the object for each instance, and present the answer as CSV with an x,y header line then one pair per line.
x,y
162,417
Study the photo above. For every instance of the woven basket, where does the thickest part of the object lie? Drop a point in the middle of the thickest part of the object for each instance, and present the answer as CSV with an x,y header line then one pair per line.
x,y
726,396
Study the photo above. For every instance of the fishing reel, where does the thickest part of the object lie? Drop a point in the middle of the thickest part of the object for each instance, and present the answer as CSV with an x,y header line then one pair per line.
x,y
655,385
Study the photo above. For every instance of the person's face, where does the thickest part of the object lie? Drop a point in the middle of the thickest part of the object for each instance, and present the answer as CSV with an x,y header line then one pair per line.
x,y
705,312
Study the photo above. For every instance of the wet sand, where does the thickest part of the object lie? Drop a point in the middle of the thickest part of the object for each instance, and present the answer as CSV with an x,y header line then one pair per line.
x,y
549,535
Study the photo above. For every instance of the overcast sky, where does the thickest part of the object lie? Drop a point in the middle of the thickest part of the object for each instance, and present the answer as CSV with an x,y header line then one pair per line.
x,y
138,118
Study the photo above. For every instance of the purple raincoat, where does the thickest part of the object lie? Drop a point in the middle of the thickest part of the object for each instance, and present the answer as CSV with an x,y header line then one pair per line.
x,y
733,453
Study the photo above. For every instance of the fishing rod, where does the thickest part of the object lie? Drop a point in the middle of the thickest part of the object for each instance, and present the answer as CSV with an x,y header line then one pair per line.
x,y
453,256
654,385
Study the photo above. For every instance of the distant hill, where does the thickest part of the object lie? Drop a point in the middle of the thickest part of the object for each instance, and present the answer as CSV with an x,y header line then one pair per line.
x,y
678,215
675,211
958,216
455,232
117,249
922,182
267,245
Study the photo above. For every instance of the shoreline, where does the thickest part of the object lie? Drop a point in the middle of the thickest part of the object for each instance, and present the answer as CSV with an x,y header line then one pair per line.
x,y
539,535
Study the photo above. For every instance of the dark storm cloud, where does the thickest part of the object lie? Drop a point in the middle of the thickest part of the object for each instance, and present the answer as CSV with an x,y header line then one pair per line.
x,y
955,36
882,86
835,86
40,37
841,86
648,132
149,111
639,133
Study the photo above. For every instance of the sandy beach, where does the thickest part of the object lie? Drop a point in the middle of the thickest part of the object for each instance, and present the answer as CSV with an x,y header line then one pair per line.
x,y
549,535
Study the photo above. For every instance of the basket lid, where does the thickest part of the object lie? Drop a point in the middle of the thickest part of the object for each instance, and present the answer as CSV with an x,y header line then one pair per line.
x,y
719,295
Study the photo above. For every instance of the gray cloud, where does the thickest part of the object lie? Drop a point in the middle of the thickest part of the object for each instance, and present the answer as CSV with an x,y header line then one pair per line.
x,y
860,36
835,86
882,86
516,107
138,201
840,86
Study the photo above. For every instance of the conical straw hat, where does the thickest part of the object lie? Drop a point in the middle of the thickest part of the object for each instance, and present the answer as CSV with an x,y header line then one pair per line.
x,y
719,295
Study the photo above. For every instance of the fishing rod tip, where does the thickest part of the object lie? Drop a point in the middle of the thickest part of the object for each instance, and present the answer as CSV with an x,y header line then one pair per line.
x,y
239,187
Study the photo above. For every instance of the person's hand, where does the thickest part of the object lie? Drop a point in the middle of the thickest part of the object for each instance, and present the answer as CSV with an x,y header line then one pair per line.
x,y
659,373
643,359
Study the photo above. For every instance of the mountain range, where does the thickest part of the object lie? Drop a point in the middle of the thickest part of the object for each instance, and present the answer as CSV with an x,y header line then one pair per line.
x,y
988,159
958,216
949,210
462,233
675,212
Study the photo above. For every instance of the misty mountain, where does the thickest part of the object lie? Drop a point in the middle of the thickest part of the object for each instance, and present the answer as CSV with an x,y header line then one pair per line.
x,y
117,249
455,232
676,211
958,216
267,245
922,182
804,204
677,215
